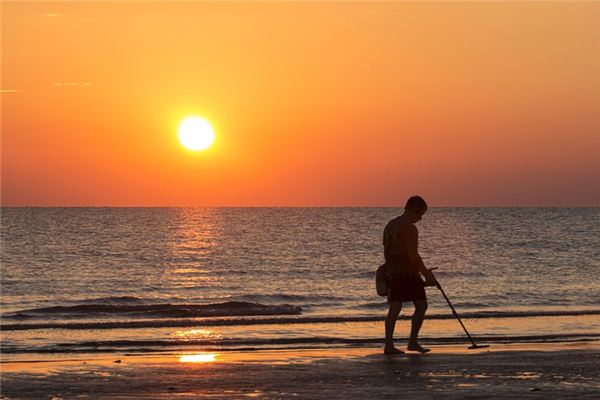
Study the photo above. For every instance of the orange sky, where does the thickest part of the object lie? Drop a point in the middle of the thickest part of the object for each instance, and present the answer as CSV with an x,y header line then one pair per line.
x,y
343,104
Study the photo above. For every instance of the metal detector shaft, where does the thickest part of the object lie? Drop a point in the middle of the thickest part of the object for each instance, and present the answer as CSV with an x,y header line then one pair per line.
x,y
456,314
475,346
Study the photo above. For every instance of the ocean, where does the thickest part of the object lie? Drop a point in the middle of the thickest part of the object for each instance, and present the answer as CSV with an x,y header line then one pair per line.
x,y
145,280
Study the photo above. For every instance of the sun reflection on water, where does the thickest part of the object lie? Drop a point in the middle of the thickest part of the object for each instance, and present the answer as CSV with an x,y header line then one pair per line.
x,y
194,238
196,334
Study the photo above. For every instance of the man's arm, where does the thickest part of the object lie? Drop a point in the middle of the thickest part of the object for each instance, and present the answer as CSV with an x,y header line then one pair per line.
x,y
415,258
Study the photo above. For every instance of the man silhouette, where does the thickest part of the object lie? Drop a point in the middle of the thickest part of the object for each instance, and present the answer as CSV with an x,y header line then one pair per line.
x,y
403,266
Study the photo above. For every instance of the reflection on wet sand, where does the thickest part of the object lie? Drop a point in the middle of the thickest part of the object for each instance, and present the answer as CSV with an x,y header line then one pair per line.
x,y
198,358
363,373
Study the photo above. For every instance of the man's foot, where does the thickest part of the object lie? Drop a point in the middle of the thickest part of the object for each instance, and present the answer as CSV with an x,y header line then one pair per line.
x,y
417,347
391,351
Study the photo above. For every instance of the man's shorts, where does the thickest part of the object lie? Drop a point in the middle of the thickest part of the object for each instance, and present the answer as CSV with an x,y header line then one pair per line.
x,y
407,287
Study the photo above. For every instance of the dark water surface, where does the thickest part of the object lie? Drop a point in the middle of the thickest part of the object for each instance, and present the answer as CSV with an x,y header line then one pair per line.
x,y
108,279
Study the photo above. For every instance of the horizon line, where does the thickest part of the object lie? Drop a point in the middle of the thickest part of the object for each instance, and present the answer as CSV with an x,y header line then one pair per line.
x,y
294,206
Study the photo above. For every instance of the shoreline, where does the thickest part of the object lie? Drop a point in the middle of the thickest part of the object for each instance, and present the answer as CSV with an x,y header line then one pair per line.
x,y
19,362
557,370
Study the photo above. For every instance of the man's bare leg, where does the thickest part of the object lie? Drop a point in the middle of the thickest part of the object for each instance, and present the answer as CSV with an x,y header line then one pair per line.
x,y
390,325
417,321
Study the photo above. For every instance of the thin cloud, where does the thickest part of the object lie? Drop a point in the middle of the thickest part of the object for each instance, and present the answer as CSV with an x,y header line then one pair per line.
x,y
10,90
73,84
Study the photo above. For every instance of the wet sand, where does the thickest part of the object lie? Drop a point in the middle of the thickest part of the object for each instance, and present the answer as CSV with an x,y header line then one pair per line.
x,y
557,370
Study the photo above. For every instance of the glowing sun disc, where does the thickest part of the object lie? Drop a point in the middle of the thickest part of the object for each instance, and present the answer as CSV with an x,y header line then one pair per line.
x,y
196,133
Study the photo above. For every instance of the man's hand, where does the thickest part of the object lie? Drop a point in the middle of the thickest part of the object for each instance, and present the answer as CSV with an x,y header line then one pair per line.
x,y
430,282
429,278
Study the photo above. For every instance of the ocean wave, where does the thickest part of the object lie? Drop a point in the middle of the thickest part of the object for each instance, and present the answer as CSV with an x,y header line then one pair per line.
x,y
227,309
179,323
379,305
111,300
278,342
440,272
367,274
292,298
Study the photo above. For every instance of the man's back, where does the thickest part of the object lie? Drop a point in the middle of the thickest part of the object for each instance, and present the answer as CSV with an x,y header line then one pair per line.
x,y
398,236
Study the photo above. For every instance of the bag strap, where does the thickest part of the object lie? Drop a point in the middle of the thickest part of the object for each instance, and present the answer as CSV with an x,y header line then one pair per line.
x,y
386,249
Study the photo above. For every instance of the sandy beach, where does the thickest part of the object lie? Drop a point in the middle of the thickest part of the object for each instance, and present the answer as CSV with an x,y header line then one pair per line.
x,y
452,372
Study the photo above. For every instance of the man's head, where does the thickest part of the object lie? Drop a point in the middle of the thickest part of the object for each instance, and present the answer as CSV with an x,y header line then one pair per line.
x,y
415,208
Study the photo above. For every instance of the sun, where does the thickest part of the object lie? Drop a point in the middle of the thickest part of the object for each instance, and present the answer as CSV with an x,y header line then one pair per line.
x,y
196,133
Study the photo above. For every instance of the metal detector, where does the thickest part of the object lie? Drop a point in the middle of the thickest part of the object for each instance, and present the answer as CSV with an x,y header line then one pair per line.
x,y
475,345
